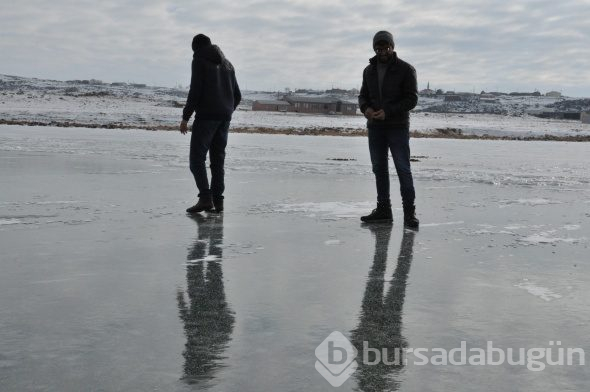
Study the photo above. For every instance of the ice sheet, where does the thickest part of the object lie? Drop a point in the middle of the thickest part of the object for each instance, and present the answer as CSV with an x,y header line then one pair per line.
x,y
107,284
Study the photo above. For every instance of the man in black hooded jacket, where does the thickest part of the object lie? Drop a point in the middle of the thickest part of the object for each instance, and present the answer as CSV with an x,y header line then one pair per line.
x,y
213,97
388,93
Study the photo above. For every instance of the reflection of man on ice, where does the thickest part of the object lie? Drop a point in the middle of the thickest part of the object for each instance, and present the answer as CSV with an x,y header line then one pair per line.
x,y
205,313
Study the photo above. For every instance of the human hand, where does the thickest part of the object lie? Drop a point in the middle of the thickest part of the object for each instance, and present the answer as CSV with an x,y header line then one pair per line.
x,y
379,115
183,127
369,113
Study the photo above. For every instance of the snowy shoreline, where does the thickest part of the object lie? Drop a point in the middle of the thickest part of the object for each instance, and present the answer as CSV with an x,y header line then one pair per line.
x,y
34,102
439,133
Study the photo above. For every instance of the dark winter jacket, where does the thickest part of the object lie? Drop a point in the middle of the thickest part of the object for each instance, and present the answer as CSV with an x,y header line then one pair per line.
x,y
399,93
214,93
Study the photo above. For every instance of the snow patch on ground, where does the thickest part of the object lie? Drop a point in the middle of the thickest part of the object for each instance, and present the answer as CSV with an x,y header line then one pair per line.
x,y
546,238
572,227
334,208
9,221
441,224
540,292
530,202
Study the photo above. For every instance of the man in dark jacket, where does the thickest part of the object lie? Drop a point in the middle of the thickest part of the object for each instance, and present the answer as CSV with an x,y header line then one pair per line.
x,y
388,93
213,96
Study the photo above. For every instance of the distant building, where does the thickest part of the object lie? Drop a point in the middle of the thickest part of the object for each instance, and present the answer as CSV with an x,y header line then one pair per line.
x,y
271,106
453,98
553,94
320,105
308,91
426,92
299,104
585,117
533,94
488,98
560,115
337,91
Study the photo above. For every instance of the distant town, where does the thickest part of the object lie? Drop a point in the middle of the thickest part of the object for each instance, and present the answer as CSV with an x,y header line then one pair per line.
x,y
334,101
343,102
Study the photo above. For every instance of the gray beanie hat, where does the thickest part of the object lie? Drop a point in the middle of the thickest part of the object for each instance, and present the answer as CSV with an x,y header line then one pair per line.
x,y
383,36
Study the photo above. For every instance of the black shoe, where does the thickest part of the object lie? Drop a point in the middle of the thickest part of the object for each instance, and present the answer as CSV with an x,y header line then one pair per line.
x,y
204,204
410,219
218,203
380,214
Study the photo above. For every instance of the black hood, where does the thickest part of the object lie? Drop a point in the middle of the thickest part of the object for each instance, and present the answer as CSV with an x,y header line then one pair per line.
x,y
213,54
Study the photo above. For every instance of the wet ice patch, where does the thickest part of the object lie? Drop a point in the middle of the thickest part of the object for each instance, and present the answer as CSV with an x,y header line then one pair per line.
x,y
541,292
7,363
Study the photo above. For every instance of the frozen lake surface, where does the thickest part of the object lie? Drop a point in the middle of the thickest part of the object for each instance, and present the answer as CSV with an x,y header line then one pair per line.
x,y
107,285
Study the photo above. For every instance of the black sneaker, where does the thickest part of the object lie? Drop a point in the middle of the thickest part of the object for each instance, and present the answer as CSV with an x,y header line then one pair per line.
x,y
204,204
380,214
218,203
410,219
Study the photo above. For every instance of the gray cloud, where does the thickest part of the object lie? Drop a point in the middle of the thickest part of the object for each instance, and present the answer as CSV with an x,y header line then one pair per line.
x,y
505,45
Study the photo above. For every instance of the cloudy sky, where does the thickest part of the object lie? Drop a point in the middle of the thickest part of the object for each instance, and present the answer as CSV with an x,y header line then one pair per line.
x,y
462,45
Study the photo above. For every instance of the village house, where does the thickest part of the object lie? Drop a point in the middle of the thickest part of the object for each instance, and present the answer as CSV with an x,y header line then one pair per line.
x,y
556,114
271,106
453,98
553,94
488,98
299,104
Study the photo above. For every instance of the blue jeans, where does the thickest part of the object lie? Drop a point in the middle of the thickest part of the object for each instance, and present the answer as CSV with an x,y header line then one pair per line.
x,y
381,141
209,136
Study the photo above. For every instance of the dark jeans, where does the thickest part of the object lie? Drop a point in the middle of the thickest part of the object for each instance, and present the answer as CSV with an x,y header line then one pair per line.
x,y
381,141
209,136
